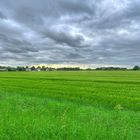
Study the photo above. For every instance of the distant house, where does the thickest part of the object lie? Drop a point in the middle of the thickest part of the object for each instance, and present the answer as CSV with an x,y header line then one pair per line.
x,y
47,69
3,69
38,69
28,69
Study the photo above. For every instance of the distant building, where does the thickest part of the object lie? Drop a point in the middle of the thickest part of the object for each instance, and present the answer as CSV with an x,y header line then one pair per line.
x,y
47,69
3,69
27,69
38,69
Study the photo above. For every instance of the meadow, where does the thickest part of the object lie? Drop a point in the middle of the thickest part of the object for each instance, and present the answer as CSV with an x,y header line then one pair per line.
x,y
82,105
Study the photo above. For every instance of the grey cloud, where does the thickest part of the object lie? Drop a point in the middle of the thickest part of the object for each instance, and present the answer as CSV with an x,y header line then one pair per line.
x,y
66,38
84,32
2,16
74,56
77,7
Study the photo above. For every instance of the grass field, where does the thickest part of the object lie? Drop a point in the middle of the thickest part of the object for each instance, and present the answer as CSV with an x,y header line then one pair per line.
x,y
94,105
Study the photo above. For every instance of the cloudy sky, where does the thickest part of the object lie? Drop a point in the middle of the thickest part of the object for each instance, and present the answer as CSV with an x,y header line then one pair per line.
x,y
92,32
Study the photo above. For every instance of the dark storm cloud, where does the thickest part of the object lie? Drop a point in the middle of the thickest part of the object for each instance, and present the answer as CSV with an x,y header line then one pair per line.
x,y
2,15
65,38
103,32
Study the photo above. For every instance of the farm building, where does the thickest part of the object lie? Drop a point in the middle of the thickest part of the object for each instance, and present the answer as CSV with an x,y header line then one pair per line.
x,y
3,69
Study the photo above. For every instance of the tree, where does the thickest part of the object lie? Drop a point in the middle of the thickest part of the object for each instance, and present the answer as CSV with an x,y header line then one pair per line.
x,y
11,68
33,68
38,67
136,68
43,68
19,68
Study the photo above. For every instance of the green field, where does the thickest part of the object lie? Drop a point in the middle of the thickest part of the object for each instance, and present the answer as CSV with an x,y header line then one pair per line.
x,y
94,105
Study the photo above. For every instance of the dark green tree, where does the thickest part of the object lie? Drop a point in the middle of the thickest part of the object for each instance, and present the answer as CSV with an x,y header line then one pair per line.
x,y
33,68
136,68
43,68
19,68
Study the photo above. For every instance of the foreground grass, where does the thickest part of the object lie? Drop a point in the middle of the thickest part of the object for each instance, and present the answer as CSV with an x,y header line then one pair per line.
x,y
70,105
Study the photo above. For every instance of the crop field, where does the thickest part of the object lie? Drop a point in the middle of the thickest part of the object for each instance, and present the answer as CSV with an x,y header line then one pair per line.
x,y
82,105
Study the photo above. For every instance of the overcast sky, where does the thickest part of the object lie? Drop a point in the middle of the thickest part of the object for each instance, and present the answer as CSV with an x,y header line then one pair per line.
x,y
96,32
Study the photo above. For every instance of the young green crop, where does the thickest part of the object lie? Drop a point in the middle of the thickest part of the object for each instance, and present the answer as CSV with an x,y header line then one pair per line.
x,y
70,105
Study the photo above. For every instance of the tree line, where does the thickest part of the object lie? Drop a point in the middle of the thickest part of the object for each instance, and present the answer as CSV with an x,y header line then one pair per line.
x,y
118,68
45,68
38,68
